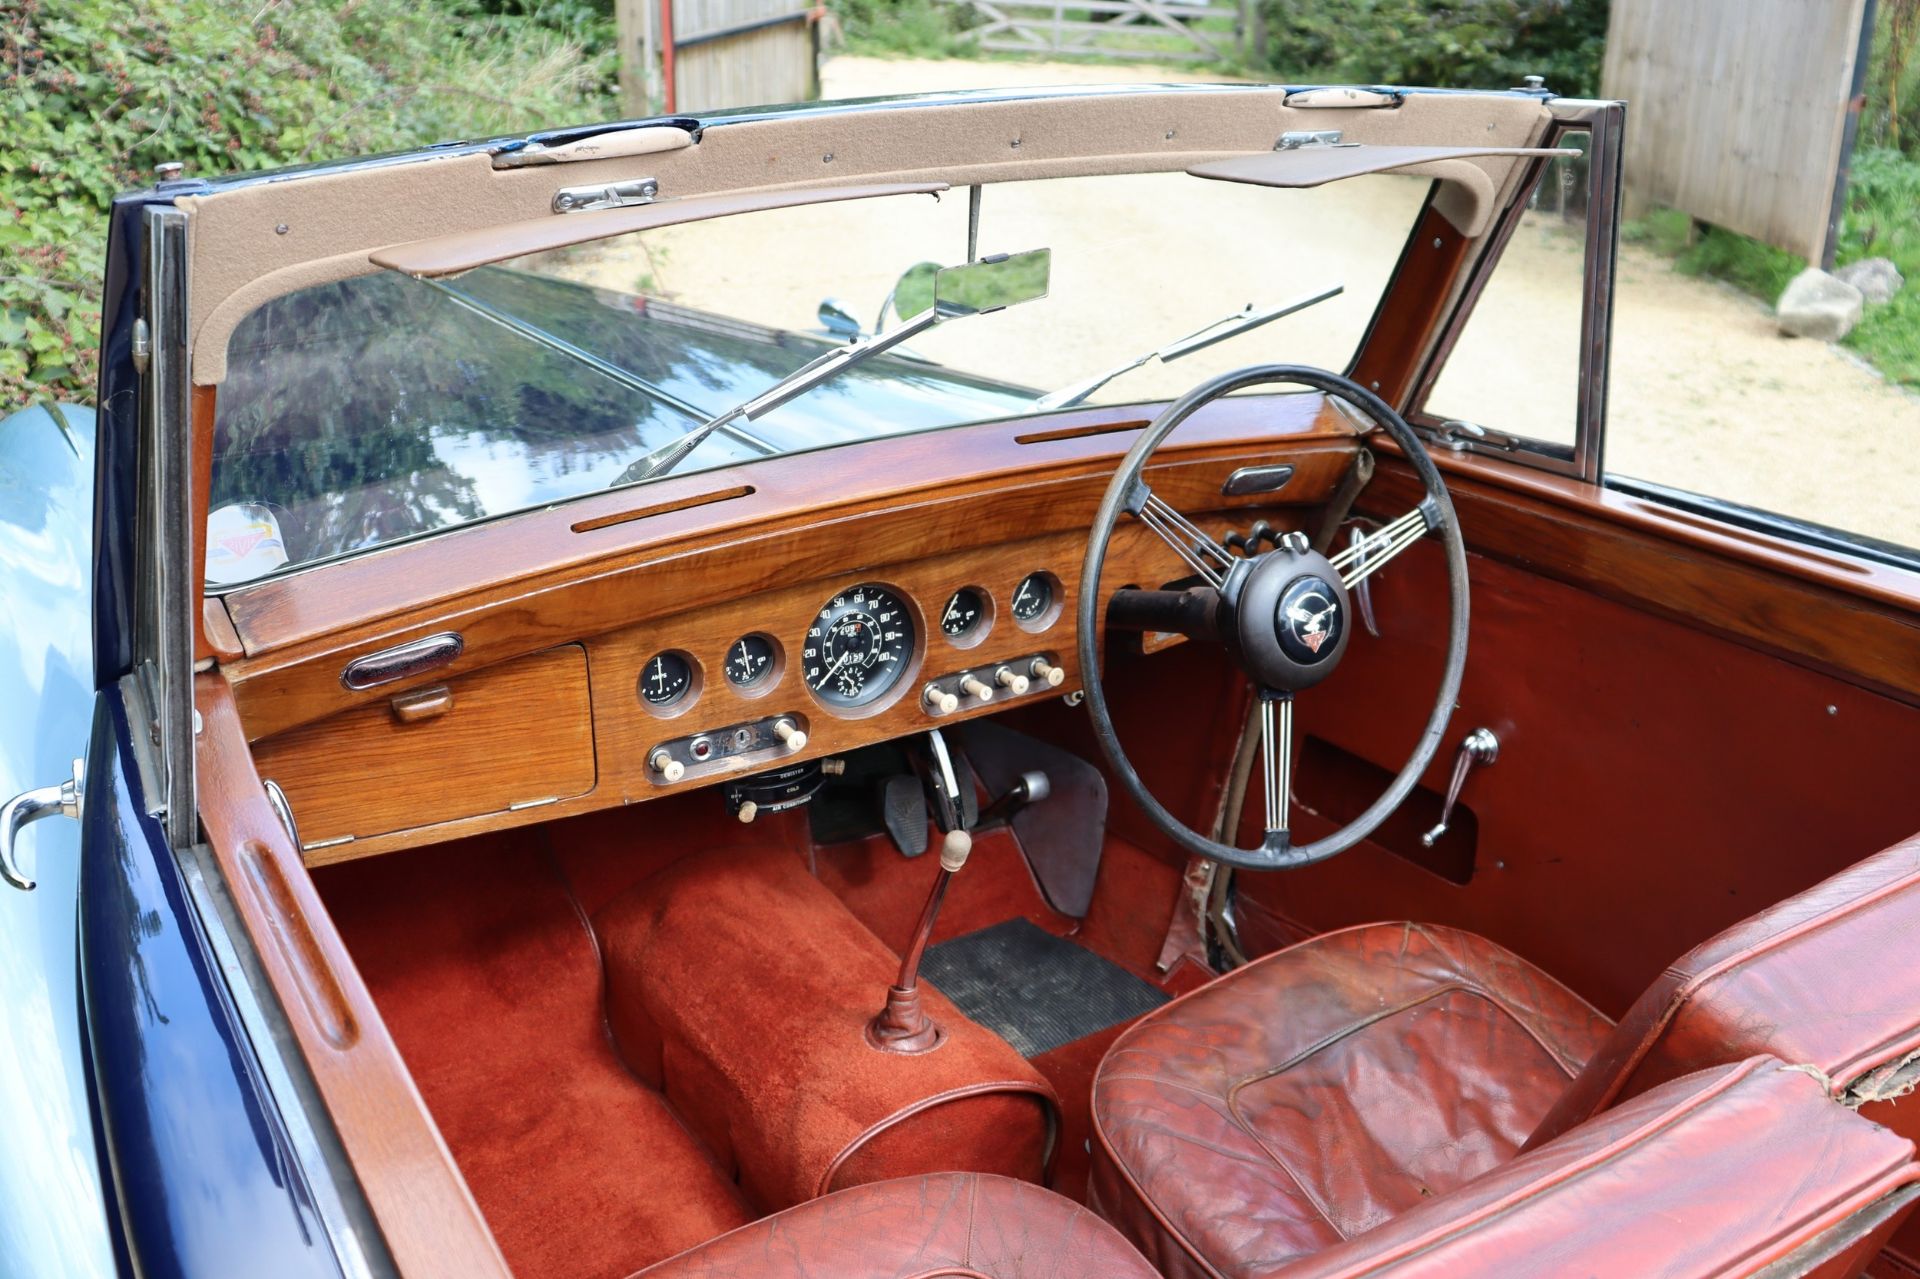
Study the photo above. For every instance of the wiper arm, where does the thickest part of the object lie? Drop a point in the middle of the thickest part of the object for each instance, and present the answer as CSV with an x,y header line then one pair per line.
x,y
803,379
1242,321
606,368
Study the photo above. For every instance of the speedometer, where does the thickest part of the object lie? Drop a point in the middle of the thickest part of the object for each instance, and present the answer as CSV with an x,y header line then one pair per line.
x,y
858,647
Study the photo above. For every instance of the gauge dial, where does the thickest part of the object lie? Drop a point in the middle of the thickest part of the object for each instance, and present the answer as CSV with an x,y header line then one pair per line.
x,y
965,614
1033,598
750,660
858,646
666,677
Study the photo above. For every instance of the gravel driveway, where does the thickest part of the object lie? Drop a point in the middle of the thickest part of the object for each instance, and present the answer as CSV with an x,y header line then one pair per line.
x,y
1705,394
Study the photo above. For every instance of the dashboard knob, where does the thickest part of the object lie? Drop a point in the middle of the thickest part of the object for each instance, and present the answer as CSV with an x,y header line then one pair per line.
x,y
968,684
1044,670
940,700
1007,677
667,766
792,734
747,811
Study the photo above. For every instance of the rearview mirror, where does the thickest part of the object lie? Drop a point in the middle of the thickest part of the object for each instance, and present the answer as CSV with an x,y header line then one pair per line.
x,y
991,283
914,293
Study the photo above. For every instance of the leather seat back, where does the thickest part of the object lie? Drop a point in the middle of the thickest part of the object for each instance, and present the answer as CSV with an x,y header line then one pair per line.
x,y
1704,1176
1829,979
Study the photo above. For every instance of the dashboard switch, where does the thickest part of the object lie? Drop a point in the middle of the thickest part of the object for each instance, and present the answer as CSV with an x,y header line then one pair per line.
x,y
977,688
747,811
1046,672
1008,678
792,734
939,700
667,766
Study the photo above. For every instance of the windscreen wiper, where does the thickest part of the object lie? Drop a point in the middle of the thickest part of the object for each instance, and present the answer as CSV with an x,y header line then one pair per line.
x,y
1244,320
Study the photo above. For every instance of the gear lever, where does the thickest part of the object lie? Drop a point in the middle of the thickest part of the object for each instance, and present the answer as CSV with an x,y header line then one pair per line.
x,y
902,1025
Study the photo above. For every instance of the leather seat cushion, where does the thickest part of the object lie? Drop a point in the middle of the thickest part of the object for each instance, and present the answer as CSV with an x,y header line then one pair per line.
x,y
1716,1174
964,1225
1314,1094
1828,978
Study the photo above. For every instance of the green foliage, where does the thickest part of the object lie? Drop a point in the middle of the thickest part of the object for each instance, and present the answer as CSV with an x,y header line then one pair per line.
x,y
1882,220
903,28
1891,117
1476,44
100,91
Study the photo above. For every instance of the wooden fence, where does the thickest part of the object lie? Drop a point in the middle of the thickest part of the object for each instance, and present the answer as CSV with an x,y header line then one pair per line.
x,y
1740,112
1163,30
704,55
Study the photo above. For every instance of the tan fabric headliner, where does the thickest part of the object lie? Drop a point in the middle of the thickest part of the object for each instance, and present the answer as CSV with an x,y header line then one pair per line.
x,y
1467,200
241,256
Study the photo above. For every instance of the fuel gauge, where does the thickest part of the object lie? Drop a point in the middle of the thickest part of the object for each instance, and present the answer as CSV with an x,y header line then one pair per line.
x,y
750,661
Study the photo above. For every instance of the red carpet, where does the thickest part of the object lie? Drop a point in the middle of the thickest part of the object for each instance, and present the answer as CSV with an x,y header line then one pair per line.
x,y
489,981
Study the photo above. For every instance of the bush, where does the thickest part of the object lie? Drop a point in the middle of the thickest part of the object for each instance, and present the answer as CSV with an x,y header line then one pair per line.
x,y
1469,44
100,91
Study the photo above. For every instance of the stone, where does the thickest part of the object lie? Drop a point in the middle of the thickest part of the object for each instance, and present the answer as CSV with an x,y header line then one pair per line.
x,y
1876,278
1816,305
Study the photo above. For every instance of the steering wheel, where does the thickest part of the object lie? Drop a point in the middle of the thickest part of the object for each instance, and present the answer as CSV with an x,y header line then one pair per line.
x,y
1280,616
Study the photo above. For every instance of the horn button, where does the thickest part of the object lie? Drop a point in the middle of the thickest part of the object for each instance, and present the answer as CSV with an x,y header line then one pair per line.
x,y
1286,615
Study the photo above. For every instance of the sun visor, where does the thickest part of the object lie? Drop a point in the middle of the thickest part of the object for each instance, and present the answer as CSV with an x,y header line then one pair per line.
x,y
1468,186
452,254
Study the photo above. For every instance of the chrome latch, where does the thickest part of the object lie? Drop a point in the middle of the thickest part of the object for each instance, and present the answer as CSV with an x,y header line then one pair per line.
x,y
1478,747
1458,436
28,807
606,195
1297,139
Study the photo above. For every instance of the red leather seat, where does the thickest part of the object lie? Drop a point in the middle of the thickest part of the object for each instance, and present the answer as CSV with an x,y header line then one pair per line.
x,y
1325,1090
964,1225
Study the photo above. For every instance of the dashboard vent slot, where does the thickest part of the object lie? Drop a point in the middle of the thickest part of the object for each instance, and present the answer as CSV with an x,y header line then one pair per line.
x,y
664,508
1079,432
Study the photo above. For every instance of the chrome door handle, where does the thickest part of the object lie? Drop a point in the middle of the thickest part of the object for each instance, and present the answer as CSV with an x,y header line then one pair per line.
x,y
28,807
1478,747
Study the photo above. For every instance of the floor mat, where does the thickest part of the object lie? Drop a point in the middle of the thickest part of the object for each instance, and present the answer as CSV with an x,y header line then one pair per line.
x,y
1037,991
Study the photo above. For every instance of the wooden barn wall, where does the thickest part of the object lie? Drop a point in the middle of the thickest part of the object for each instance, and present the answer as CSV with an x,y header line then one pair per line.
x,y
767,64
1736,109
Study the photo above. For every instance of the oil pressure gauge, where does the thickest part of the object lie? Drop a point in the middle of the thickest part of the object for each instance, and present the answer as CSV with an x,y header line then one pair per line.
x,y
1034,601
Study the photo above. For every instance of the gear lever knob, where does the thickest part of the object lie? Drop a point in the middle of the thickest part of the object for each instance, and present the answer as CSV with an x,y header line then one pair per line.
x,y
955,849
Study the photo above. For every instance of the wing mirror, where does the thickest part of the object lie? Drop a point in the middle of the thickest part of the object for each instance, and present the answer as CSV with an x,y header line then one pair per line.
x,y
837,320
990,284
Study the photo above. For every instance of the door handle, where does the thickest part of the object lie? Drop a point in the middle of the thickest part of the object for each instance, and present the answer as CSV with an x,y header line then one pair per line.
x,y
1478,747
28,807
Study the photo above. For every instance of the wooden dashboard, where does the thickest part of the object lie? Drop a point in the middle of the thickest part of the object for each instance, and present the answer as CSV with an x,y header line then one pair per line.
x,y
541,711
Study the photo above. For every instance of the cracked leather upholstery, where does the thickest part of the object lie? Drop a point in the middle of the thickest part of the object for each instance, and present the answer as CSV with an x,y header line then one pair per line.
x,y
958,1225
1829,978
1325,1089
1716,1174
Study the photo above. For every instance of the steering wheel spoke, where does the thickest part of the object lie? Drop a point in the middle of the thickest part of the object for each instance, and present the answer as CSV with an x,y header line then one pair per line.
x,y
1276,756
1193,544
1370,554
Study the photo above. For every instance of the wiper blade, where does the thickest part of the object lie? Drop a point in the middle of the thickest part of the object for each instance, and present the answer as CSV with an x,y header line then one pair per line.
x,y
1244,320
797,383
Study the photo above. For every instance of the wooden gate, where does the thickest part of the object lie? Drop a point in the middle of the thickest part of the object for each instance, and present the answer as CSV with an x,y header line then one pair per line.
x,y
705,55
1163,30
1741,112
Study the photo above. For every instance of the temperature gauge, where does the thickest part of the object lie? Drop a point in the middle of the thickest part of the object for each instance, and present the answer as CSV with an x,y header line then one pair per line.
x,y
666,679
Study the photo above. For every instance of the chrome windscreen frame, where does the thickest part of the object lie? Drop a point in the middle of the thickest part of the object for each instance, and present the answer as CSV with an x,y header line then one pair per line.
x,y
1604,121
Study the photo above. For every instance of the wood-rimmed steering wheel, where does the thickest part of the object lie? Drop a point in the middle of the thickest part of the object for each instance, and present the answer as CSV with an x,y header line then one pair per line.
x,y
1280,616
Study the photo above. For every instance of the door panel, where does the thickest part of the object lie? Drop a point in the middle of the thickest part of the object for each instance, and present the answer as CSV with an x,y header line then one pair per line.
x,y
1656,781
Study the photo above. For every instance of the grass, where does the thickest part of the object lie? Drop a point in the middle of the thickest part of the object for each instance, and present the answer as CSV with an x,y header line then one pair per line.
x,y
1882,220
